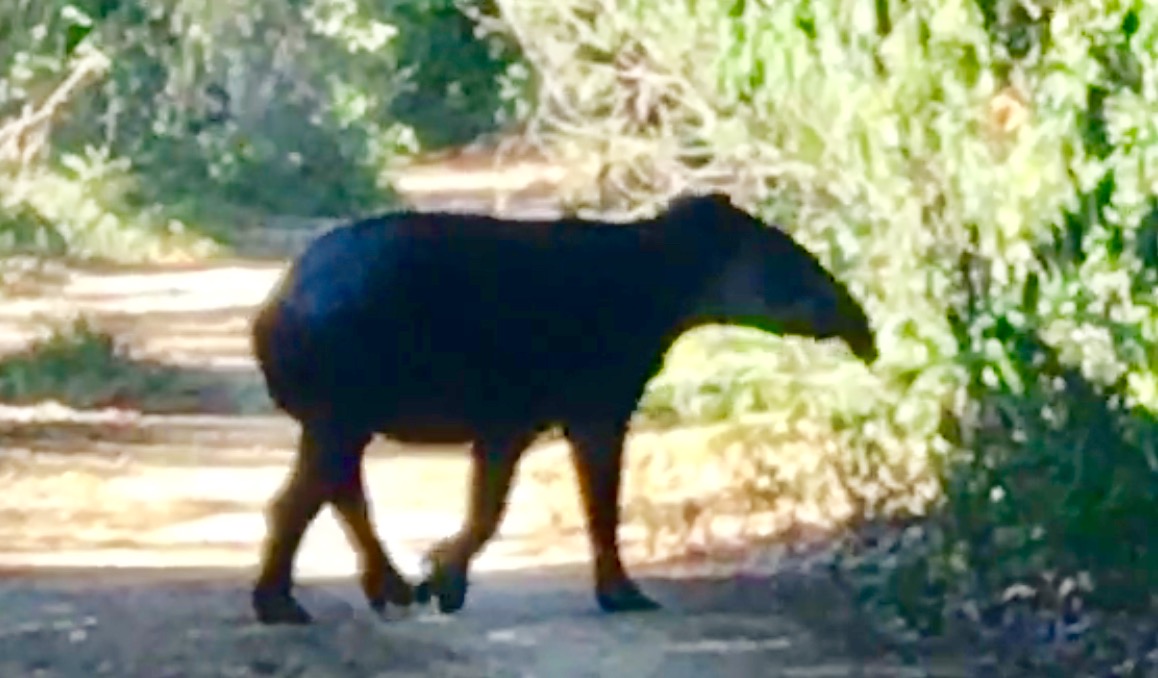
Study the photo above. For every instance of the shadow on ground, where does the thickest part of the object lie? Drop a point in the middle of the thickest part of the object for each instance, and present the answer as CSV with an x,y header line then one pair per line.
x,y
534,622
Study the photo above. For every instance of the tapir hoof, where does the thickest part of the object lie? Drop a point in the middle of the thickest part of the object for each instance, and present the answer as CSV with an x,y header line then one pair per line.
x,y
625,596
383,586
446,583
278,607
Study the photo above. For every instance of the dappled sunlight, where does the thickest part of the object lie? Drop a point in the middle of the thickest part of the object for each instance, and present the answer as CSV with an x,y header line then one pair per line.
x,y
180,490
237,288
197,317
193,489
203,289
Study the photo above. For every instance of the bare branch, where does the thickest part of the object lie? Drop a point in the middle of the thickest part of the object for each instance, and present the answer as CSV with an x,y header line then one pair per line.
x,y
24,139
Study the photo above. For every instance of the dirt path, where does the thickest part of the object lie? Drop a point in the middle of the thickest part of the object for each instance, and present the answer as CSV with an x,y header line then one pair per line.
x,y
127,551
155,625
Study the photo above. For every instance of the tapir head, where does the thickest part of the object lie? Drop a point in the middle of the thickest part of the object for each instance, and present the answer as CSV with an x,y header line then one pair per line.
x,y
766,280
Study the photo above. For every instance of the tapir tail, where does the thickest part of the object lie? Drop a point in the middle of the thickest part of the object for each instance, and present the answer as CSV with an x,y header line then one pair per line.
x,y
280,347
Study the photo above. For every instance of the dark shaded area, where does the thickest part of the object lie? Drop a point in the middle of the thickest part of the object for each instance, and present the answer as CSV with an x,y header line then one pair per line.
x,y
455,94
805,623
148,623
1042,553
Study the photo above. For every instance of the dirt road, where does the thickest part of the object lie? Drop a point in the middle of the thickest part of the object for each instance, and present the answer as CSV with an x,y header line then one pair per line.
x,y
138,565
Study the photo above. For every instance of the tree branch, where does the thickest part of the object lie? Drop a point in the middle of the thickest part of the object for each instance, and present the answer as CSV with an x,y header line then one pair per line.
x,y
24,138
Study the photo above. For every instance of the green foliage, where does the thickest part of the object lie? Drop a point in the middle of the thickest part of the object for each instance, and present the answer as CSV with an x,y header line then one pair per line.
x,y
223,100
227,112
83,366
717,374
894,139
90,207
1070,469
1050,488
79,365
466,79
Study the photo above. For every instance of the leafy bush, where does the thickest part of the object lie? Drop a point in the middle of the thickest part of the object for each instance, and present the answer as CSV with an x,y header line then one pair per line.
x,y
90,208
896,140
229,112
78,364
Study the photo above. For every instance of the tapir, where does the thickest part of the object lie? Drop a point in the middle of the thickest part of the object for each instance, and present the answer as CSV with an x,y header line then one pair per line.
x,y
439,327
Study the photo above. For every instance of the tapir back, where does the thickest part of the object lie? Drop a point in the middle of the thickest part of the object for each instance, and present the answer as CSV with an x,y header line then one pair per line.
x,y
433,326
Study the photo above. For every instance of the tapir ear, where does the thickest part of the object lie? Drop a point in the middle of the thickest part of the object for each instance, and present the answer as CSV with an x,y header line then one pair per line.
x,y
704,215
699,207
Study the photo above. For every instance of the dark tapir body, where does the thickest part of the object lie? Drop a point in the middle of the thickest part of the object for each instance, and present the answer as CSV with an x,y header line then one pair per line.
x,y
436,327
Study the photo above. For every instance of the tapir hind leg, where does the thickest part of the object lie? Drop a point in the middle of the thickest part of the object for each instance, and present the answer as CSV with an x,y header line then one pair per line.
x,y
494,460
328,468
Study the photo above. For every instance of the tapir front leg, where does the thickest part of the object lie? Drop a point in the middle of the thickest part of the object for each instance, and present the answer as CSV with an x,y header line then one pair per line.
x,y
597,451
